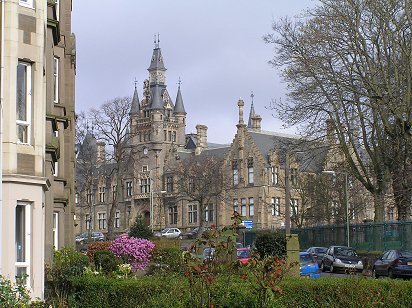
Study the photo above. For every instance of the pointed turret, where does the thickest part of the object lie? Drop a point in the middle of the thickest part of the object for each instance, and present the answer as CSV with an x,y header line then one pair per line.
x,y
251,115
179,107
157,102
135,108
157,60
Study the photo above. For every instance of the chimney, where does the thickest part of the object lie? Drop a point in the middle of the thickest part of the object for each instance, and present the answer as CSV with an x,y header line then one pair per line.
x,y
201,144
101,153
256,123
240,104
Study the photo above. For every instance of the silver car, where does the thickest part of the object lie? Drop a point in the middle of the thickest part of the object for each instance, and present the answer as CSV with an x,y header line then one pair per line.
x,y
169,233
341,258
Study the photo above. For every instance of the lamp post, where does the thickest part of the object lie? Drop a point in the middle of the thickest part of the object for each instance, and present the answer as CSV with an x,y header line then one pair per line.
x,y
346,201
287,195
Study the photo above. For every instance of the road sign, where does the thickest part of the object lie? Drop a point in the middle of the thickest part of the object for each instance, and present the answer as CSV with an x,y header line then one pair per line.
x,y
248,224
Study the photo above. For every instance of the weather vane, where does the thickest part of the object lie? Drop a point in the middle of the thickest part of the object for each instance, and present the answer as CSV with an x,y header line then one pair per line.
x,y
135,82
252,95
179,81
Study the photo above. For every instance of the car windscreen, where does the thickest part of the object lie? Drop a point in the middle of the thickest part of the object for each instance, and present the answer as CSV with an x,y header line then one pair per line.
x,y
342,251
321,250
305,259
241,254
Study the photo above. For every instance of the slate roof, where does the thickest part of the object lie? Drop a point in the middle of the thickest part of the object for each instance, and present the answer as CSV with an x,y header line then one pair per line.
x,y
179,107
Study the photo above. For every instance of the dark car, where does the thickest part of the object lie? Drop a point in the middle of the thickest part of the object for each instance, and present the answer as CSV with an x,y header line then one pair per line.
x,y
393,264
341,258
317,253
191,234
308,266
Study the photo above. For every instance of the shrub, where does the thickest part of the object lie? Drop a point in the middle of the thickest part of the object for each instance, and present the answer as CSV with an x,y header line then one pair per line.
x,y
271,244
139,229
166,261
67,263
135,251
105,260
97,246
13,295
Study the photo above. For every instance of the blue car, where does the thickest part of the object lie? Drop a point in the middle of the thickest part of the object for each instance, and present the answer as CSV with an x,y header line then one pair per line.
x,y
308,266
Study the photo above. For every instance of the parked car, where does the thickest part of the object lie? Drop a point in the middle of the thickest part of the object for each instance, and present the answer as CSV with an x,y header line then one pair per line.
x,y
239,245
169,233
308,265
317,253
83,238
393,264
243,255
191,234
341,258
208,253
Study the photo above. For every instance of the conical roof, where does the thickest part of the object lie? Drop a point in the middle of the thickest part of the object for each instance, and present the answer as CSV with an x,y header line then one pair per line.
x,y
179,107
135,108
157,60
251,115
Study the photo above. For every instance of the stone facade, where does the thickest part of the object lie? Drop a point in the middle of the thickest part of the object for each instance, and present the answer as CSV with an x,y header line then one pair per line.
x,y
31,38
254,163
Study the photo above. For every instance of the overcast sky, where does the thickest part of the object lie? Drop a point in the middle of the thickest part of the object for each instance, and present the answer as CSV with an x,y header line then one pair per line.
x,y
214,46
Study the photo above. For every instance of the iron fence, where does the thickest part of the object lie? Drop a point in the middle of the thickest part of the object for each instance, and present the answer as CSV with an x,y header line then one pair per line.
x,y
363,237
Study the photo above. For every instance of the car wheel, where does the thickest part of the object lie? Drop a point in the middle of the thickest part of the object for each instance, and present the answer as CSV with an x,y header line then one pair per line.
x,y
181,237
374,275
331,268
390,274
322,267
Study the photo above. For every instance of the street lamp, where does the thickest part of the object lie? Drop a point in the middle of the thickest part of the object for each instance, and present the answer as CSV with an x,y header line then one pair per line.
x,y
152,203
346,201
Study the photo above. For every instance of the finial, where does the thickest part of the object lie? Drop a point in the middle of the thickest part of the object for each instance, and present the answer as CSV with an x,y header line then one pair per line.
x,y
135,83
157,40
179,81
154,39
252,96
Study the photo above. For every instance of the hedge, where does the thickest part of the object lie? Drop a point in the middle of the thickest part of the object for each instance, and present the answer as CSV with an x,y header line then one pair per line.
x,y
163,291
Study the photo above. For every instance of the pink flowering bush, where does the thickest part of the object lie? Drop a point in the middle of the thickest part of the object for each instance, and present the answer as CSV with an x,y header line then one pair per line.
x,y
135,251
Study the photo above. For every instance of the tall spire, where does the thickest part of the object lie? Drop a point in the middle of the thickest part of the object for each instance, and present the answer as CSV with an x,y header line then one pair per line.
x,y
157,60
135,108
179,107
252,112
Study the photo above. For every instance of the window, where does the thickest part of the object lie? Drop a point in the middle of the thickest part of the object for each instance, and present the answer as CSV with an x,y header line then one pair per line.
x,y
144,186
251,207
55,168
101,220
294,207
56,62
76,199
88,221
145,168
164,135
26,3
294,176
114,192
129,188
23,240
57,9
275,175
235,206
192,213
243,207
23,102
192,184
56,230
276,206
235,173
390,213
174,136
169,184
169,134
250,170
117,219
89,196
102,194
209,212
173,214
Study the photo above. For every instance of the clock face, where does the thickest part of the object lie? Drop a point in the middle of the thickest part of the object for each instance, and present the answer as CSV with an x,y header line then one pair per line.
x,y
145,151
157,77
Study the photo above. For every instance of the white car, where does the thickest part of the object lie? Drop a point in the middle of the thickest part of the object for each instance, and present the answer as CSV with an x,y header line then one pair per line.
x,y
169,233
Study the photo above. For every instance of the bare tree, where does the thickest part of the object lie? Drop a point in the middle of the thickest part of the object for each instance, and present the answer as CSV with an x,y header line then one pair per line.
x,y
111,123
200,179
348,62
